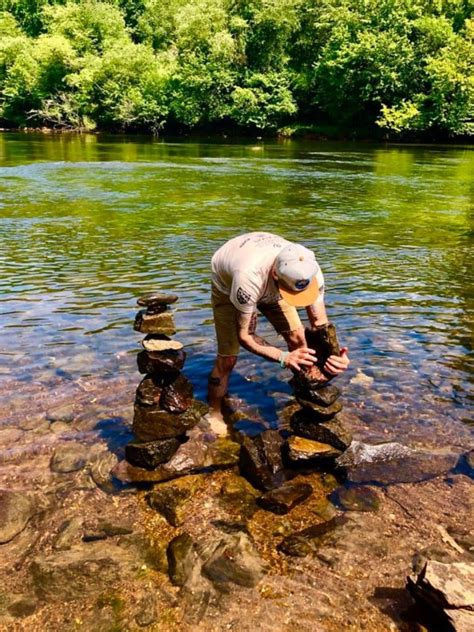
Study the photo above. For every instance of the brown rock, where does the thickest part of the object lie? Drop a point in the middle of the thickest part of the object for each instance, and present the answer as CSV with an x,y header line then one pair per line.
x,y
151,422
301,449
283,499
332,431
313,391
162,323
182,558
149,391
261,460
153,299
316,412
177,396
161,363
323,340
170,499
150,454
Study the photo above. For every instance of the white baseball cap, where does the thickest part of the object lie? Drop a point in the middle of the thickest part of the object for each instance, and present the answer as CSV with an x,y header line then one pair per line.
x,y
296,268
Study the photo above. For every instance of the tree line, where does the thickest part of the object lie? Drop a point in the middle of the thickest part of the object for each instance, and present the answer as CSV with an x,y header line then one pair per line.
x,y
404,67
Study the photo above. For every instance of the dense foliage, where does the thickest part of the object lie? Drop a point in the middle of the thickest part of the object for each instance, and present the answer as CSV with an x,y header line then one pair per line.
x,y
405,66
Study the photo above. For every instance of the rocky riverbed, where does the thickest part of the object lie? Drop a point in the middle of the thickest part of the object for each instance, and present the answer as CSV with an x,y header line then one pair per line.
x,y
80,550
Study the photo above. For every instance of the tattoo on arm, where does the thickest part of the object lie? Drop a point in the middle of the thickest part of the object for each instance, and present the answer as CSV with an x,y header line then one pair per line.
x,y
246,324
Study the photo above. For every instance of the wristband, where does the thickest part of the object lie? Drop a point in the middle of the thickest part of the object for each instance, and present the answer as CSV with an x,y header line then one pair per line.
x,y
283,357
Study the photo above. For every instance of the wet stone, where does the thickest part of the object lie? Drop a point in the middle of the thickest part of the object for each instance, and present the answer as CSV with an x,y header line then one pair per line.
x,y
332,432
151,423
147,611
359,453
234,560
15,511
238,496
68,458
64,413
170,499
261,460
323,340
177,396
149,454
161,363
306,541
83,570
162,323
101,470
283,499
149,391
23,607
154,342
153,299
319,413
182,558
313,391
70,533
301,449
357,499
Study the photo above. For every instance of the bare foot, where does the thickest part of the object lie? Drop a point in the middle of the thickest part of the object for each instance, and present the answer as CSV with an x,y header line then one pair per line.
x,y
216,423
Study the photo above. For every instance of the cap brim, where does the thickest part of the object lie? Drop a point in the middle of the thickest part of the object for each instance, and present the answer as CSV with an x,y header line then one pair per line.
x,y
300,299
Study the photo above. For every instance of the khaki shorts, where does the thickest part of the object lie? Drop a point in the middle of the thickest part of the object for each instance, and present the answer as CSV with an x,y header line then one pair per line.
x,y
282,316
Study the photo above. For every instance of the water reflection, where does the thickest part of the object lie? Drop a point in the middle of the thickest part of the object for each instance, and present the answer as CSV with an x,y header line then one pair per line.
x,y
90,222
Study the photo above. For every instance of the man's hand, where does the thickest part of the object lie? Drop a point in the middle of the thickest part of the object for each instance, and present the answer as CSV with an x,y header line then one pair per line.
x,y
300,357
337,364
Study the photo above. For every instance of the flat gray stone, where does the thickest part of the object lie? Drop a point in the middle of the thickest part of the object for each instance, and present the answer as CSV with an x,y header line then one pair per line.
x,y
68,458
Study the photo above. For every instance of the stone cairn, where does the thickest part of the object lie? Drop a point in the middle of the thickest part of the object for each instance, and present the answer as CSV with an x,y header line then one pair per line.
x,y
317,435
164,409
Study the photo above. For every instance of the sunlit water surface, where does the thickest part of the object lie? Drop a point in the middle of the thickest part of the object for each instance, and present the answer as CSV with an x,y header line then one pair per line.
x,y
89,223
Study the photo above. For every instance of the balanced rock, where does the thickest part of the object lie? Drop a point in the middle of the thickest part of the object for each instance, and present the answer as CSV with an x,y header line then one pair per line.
x,y
161,323
150,454
261,460
317,412
332,431
323,339
157,342
283,499
152,422
177,396
149,391
301,449
313,391
161,362
16,509
153,299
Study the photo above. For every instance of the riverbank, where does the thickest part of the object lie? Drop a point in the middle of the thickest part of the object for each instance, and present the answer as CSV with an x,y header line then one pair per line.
x,y
82,527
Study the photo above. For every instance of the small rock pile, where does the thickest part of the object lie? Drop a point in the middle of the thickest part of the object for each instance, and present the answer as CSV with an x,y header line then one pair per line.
x,y
163,410
268,461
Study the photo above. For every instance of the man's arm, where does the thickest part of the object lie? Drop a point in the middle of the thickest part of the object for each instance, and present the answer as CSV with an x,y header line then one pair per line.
x,y
317,313
250,341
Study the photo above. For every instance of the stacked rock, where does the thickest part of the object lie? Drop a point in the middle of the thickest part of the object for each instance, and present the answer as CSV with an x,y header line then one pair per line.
x,y
163,410
317,419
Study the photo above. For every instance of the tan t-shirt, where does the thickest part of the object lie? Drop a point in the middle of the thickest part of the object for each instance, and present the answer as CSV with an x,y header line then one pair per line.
x,y
241,268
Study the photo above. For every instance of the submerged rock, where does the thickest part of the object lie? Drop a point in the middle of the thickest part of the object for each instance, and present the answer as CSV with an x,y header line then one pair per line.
x,y
300,449
152,422
153,299
234,560
149,454
82,570
357,499
70,533
261,460
170,499
161,363
101,470
16,509
238,496
332,431
283,499
68,458
182,559
157,323
304,542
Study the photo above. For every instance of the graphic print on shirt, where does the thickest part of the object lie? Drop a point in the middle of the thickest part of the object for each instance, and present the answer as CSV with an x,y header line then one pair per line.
x,y
242,296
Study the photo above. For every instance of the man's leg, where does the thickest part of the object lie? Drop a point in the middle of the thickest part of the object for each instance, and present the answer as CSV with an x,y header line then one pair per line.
x,y
218,383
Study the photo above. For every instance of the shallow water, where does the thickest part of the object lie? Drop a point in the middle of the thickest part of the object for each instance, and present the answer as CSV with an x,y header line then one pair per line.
x,y
88,223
